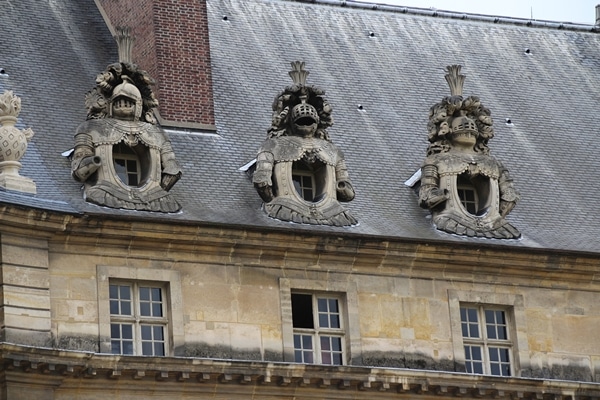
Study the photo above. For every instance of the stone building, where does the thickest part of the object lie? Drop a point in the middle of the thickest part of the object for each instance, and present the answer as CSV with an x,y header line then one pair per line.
x,y
168,230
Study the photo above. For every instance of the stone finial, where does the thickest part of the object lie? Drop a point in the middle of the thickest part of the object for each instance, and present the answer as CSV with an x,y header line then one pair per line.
x,y
298,73
455,79
13,143
125,44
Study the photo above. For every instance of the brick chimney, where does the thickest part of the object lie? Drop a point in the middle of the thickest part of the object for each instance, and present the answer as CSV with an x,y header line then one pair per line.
x,y
171,43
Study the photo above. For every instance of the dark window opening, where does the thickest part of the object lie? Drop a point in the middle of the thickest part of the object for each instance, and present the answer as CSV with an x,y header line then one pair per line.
x,y
309,179
302,314
131,163
474,193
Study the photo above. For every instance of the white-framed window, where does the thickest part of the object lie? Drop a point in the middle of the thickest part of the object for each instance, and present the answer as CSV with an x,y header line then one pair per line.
x,y
318,329
127,164
138,319
140,311
489,332
486,340
317,322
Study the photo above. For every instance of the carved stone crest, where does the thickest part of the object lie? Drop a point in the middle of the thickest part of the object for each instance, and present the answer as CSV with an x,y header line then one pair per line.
x,y
300,174
122,156
468,191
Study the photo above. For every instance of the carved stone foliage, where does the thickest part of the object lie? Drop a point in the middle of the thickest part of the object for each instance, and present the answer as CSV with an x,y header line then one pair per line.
x,y
122,156
13,143
468,191
300,174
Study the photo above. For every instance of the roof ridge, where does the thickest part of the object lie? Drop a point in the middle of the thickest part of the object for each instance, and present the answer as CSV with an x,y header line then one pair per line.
x,y
433,12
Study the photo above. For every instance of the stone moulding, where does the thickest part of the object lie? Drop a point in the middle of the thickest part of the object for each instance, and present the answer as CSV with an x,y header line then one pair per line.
x,y
466,189
13,144
300,174
60,368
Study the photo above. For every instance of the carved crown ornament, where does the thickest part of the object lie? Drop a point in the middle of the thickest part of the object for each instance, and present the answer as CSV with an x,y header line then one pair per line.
x,y
300,174
13,144
466,189
122,156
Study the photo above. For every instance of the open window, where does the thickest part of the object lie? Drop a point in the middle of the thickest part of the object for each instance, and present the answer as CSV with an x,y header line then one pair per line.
x,y
318,329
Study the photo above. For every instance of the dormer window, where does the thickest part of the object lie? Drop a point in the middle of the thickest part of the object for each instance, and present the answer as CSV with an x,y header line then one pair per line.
x,y
304,183
473,193
309,179
127,164
467,195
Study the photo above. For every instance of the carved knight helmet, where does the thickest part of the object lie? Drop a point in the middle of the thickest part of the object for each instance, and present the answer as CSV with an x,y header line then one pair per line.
x,y
127,91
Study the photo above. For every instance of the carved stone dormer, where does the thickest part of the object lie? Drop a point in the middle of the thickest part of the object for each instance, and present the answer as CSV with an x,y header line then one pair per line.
x,y
122,156
468,191
13,143
300,174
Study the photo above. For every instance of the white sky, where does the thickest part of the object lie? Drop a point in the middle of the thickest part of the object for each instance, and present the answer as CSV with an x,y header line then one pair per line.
x,y
577,11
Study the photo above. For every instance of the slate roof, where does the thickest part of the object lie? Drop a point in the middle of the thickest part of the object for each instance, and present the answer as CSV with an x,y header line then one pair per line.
x,y
389,60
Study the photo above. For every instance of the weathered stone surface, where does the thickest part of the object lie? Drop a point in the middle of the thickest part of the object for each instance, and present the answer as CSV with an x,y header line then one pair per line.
x,y
298,147
120,113
468,191
13,144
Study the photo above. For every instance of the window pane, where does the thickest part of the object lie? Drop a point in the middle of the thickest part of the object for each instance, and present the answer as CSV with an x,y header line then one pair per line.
x,y
145,293
333,305
114,307
303,348
159,349
125,292
147,349
127,331
323,321
337,359
127,347
473,331
145,309
115,347
113,292
499,361
115,331
325,344
158,333
335,321
307,342
126,308
146,332
322,305
156,294
157,310
302,314
330,349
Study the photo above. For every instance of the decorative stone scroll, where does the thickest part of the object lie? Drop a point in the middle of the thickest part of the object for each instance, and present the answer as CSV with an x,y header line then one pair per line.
x,y
123,157
13,143
300,174
468,191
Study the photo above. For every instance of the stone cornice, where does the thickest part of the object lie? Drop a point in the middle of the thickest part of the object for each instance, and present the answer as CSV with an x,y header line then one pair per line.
x,y
67,368
287,249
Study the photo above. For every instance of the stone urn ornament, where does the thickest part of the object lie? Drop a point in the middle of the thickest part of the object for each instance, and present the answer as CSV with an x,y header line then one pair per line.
x,y
13,144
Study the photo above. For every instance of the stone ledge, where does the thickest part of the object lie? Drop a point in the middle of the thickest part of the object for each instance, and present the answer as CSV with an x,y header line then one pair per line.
x,y
71,367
